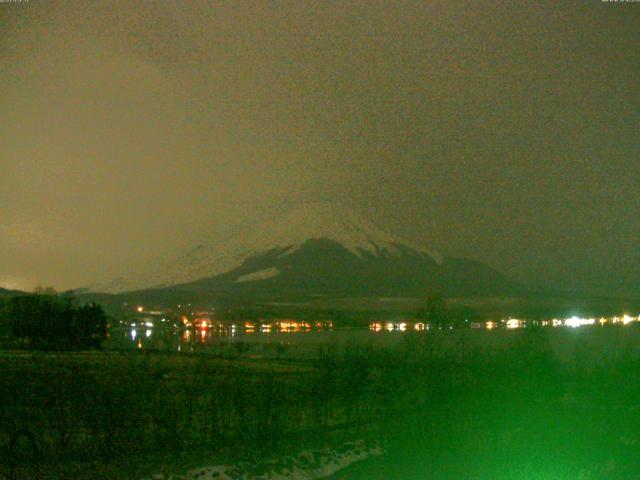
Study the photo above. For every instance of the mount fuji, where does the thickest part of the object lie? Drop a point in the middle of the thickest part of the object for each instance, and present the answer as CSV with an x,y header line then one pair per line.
x,y
314,249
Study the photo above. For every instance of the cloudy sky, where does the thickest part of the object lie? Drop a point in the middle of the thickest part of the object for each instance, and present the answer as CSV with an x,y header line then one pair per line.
x,y
503,131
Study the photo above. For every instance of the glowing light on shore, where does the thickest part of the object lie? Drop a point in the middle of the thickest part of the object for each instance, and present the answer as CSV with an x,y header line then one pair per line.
x,y
140,309
627,319
513,323
575,322
491,325
419,326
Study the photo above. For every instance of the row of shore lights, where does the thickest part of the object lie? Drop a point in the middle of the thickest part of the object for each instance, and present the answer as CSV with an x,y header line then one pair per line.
x,y
572,322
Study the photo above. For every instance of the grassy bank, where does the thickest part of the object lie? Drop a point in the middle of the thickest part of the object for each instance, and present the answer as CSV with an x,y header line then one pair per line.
x,y
533,404
534,411
122,415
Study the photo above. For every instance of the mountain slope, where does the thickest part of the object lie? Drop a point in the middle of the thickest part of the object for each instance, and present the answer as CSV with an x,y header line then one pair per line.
x,y
286,230
4,292
323,267
316,250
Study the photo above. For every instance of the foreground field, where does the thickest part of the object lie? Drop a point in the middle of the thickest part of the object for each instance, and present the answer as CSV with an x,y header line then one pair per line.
x,y
534,404
124,415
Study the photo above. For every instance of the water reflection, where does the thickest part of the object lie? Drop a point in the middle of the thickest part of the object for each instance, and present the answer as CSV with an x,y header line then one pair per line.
x,y
189,335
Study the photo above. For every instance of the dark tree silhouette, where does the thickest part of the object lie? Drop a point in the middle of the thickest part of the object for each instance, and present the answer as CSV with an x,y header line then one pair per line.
x,y
49,321
434,311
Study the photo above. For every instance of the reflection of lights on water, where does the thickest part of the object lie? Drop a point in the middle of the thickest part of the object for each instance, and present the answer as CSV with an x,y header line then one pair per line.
x,y
265,328
147,333
133,334
419,326
139,343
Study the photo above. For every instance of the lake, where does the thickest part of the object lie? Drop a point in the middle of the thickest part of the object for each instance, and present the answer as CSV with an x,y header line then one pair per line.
x,y
301,339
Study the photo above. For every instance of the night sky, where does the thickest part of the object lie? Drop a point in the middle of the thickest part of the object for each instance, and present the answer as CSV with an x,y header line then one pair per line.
x,y
503,131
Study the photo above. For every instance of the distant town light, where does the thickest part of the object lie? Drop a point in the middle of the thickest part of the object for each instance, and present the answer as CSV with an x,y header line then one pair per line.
x,y
514,323
140,309
575,322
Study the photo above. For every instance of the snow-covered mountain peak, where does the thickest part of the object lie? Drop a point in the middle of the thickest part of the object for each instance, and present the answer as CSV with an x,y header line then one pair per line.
x,y
325,220
287,229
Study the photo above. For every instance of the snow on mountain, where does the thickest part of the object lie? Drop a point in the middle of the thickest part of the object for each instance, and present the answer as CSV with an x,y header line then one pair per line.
x,y
287,232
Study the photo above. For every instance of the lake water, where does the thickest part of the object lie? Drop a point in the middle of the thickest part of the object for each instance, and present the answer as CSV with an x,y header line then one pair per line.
x,y
281,338
295,339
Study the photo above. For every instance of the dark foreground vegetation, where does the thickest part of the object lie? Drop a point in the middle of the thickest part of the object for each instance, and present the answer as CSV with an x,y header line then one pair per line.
x,y
523,411
118,415
528,412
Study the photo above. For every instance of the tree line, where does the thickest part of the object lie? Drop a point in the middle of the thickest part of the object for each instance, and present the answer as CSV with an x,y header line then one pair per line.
x,y
50,321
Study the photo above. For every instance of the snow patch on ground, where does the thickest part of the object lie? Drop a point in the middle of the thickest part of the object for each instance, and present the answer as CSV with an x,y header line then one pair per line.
x,y
259,275
307,465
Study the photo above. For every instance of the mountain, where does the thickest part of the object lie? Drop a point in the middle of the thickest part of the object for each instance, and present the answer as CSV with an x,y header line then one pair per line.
x,y
315,249
10,293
